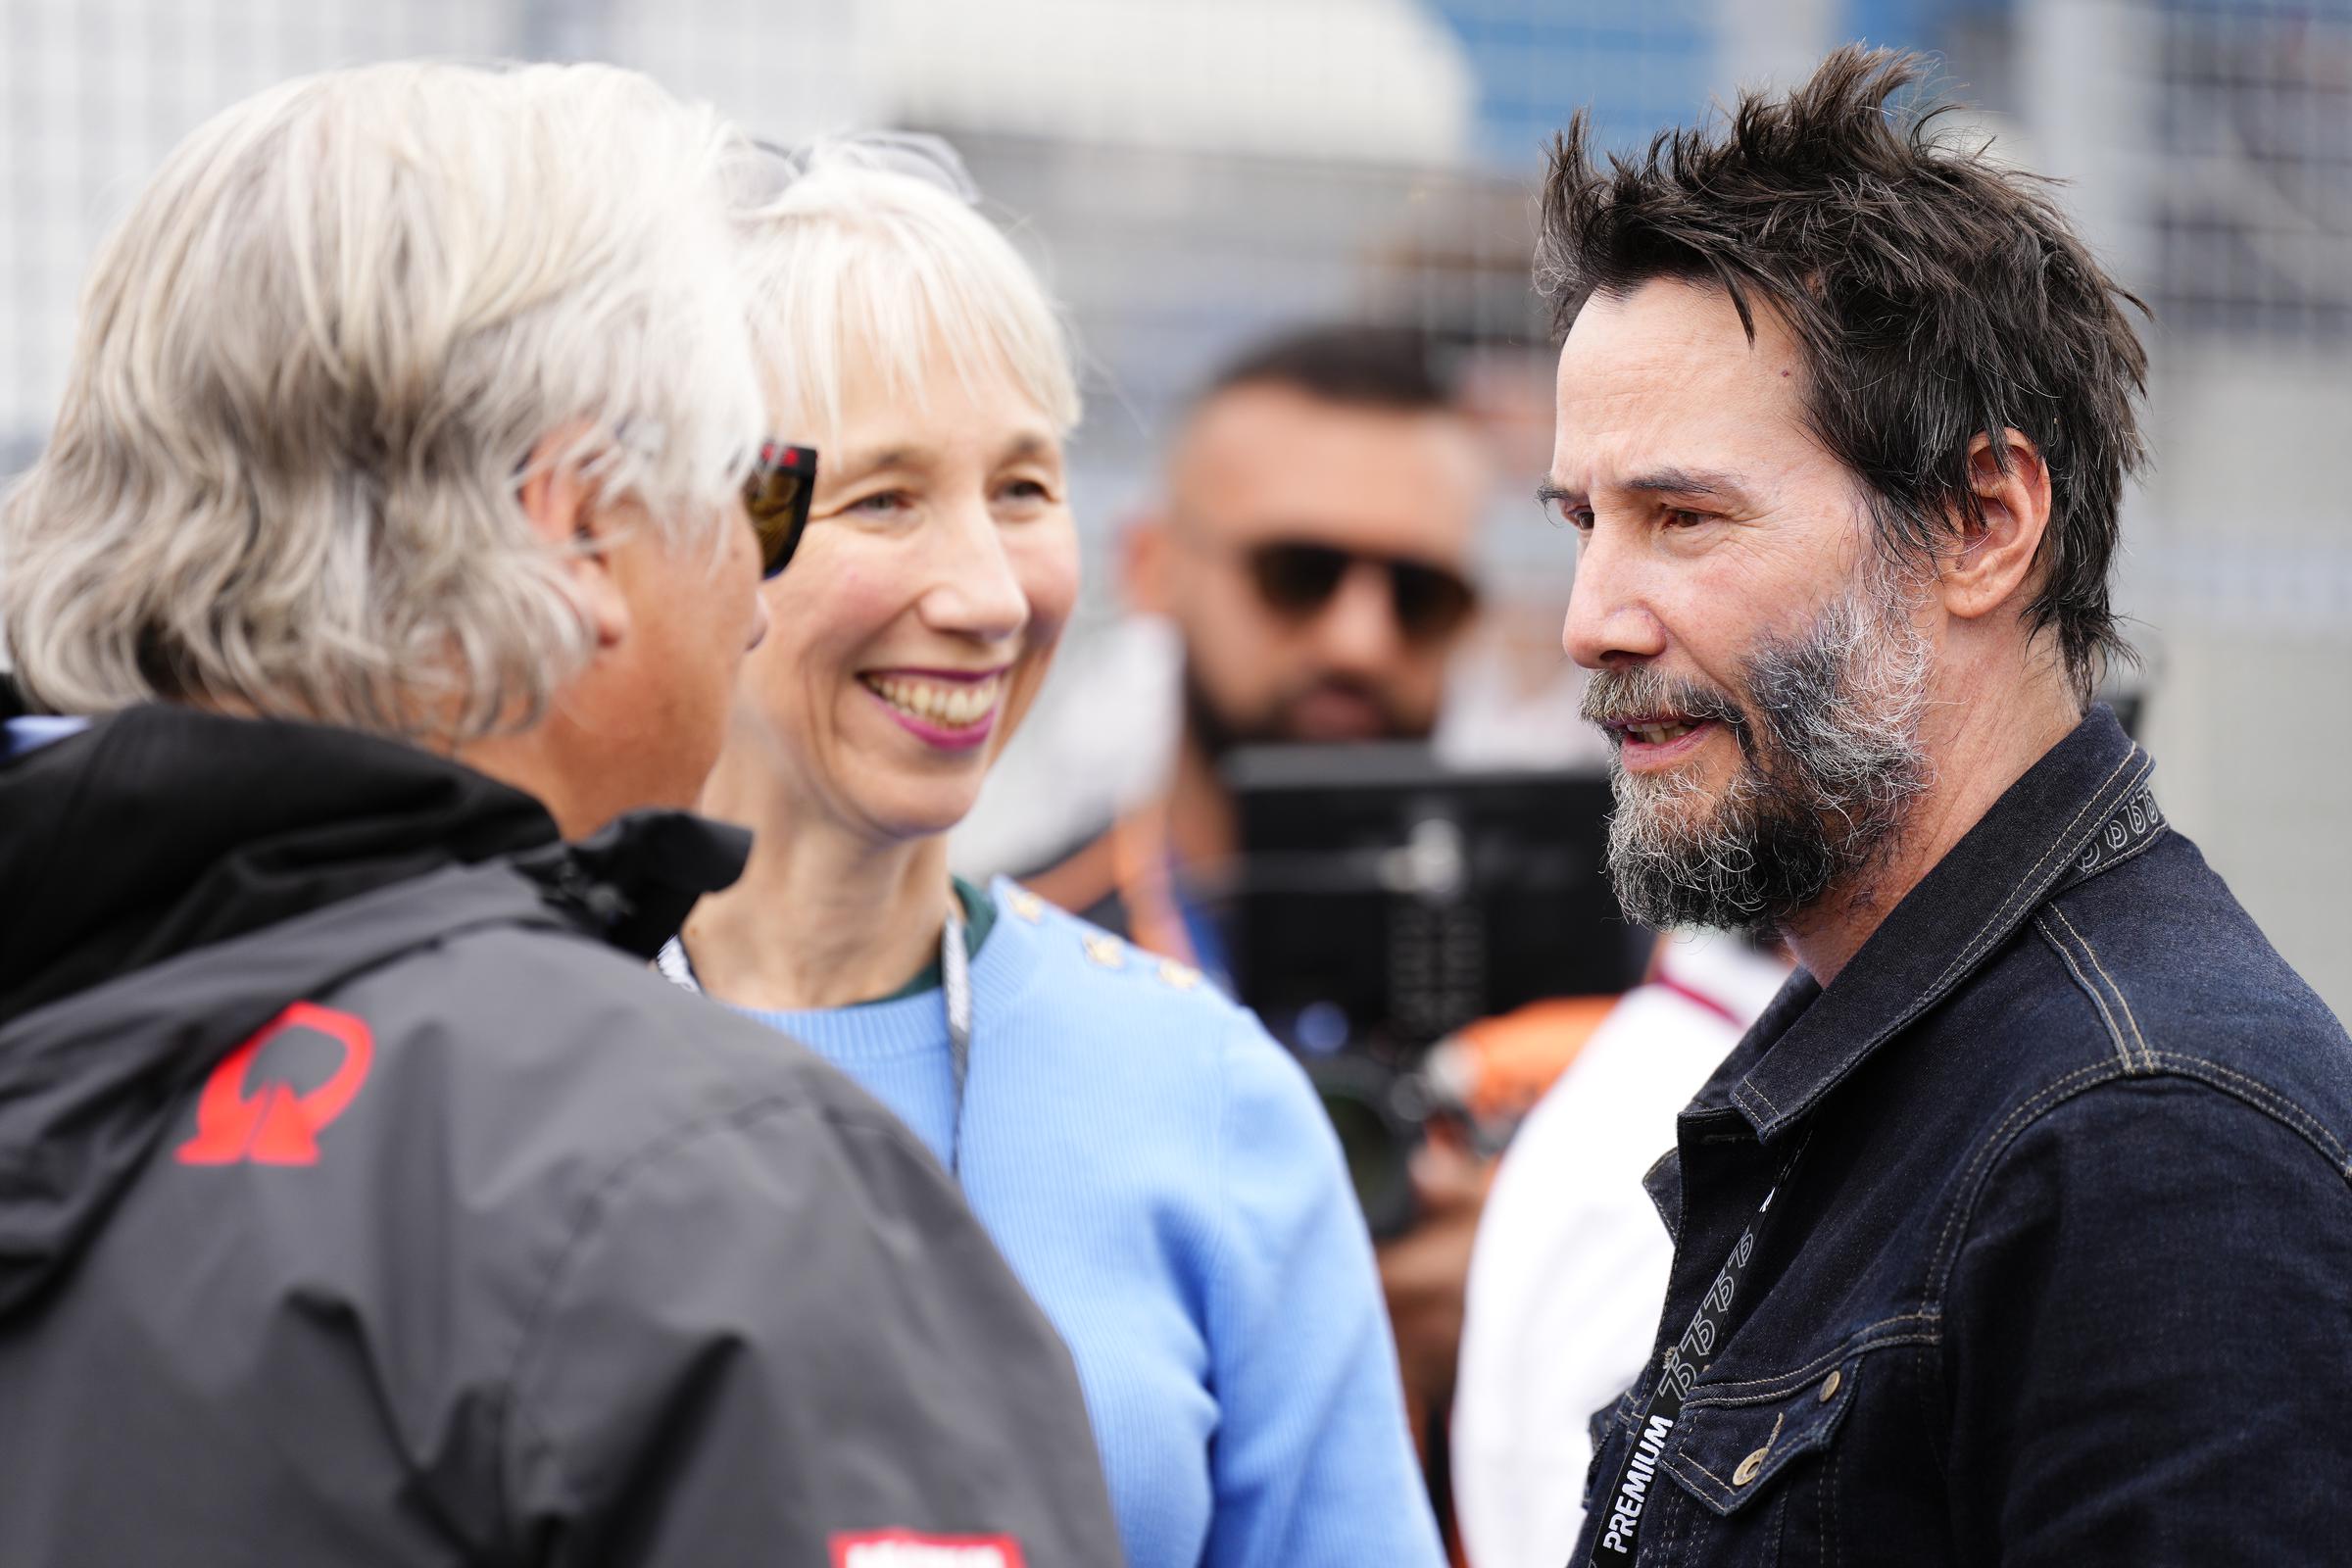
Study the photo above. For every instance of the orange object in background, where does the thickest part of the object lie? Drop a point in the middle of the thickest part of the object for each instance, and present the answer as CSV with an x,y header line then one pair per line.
x,y
1497,1068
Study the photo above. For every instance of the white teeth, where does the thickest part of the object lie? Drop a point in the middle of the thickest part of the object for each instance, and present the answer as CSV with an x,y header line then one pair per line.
x,y
957,705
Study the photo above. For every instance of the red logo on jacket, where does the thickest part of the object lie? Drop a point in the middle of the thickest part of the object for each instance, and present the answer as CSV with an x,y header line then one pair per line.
x,y
278,1125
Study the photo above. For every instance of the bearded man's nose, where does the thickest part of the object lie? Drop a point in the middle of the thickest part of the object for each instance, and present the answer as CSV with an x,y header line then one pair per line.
x,y
1607,623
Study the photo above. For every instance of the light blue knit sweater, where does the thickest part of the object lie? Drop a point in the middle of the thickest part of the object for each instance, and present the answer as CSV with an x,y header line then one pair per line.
x,y
1157,1171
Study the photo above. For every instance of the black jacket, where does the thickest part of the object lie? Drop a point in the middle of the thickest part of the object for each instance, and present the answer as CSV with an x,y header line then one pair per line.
x,y
360,1202
2062,1271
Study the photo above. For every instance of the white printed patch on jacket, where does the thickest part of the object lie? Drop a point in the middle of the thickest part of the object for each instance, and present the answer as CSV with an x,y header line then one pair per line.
x,y
906,1549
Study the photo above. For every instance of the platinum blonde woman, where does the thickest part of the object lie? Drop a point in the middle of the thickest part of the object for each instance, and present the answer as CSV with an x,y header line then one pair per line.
x,y
1153,1165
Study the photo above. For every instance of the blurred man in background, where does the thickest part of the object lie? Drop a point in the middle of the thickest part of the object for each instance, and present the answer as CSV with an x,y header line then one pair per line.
x,y
364,1196
1314,555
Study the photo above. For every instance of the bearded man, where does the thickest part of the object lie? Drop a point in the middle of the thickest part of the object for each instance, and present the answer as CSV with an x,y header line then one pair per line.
x,y
2018,1229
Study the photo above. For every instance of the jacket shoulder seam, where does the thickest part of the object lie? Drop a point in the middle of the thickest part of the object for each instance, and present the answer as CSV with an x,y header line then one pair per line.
x,y
2212,1075
2263,1098
2114,988
2097,999
1972,1181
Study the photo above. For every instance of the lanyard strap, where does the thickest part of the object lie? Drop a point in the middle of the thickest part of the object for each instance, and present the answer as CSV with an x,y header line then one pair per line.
x,y
955,982
1684,1360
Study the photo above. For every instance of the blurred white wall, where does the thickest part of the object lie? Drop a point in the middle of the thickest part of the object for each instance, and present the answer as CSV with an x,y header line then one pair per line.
x,y
2210,162
1350,80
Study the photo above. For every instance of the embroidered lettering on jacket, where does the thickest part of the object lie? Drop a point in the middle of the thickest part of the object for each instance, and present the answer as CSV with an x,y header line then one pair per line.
x,y
2127,830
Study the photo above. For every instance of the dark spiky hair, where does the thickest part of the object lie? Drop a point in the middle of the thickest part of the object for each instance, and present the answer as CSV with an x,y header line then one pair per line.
x,y
1934,294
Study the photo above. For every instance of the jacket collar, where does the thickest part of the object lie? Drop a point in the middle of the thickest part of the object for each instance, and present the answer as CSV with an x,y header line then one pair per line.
x,y
632,884
163,829
2080,810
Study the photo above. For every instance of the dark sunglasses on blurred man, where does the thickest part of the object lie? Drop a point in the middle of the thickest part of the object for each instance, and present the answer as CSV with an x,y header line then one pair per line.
x,y
1297,580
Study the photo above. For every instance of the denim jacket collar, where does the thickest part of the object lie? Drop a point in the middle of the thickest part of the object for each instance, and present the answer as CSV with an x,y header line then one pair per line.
x,y
2080,810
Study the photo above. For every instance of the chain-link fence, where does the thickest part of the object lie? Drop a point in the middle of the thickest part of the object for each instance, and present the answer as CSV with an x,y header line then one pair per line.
x,y
1194,172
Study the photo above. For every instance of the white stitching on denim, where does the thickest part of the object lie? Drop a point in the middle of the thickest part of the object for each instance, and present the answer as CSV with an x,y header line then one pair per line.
x,y
1829,1512
1854,1345
2286,1109
2138,849
2056,1090
2258,1096
1763,1470
1683,1459
1674,1529
2146,1056
2015,893
1717,1400
1976,945
2106,1014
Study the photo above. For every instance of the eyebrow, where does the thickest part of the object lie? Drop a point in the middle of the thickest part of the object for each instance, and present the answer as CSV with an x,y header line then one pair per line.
x,y
1030,444
858,464
1683,482
1658,481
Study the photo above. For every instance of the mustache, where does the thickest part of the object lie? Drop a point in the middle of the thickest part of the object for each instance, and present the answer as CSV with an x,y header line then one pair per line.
x,y
1615,695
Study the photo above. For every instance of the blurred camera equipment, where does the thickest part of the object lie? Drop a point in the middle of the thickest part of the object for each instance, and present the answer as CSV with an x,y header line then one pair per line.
x,y
1385,905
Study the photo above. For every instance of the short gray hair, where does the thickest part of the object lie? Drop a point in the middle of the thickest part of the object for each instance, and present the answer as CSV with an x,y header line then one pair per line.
x,y
858,259
314,363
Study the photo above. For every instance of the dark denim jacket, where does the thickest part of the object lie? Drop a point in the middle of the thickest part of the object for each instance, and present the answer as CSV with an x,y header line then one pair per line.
x,y
2063,1270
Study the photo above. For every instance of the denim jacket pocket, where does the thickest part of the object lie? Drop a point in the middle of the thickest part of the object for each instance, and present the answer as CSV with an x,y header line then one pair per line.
x,y
1736,1441
1758,1460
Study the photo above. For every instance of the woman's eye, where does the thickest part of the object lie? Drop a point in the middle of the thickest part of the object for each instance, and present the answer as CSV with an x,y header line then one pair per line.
x,y
881,504
1024,493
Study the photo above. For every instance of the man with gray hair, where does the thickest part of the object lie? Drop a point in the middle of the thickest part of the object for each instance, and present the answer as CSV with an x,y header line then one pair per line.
x,y
363,1195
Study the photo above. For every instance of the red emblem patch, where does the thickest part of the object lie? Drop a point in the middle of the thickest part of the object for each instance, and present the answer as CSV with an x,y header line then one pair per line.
x,y
909,1548
280,1125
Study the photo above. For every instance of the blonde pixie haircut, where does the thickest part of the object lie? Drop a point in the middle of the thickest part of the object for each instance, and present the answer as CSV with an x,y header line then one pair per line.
x,y
856,258
314,363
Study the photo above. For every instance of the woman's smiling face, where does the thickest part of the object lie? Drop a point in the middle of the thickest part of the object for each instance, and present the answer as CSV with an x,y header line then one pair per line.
x,y
910,633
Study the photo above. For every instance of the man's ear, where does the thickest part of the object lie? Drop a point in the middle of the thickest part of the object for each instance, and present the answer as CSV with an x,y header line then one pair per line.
x,y
565,511
1996,549
1144,549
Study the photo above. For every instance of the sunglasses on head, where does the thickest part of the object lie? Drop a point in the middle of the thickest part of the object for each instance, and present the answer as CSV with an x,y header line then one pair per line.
x,y
1297,580
776,494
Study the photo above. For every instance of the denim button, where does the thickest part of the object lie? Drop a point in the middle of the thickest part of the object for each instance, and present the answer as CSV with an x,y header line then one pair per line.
x,y
1828,1386
1749,1466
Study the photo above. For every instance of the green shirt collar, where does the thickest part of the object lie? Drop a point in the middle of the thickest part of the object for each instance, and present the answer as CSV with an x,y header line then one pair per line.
x,y
979,918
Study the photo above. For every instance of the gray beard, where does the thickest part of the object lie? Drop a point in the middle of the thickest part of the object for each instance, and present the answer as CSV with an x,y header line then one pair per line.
x,y
1831,764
